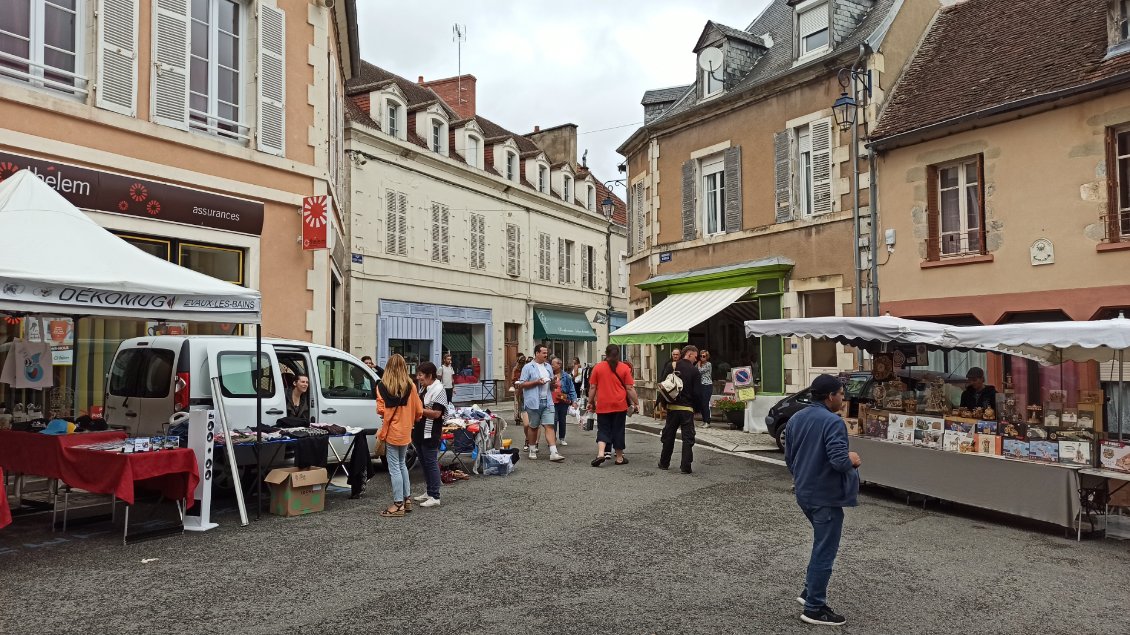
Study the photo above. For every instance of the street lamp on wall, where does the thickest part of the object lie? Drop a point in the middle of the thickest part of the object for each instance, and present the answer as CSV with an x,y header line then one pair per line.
x,y
606,206
845,109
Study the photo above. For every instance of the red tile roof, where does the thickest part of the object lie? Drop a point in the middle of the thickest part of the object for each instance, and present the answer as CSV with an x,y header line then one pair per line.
x,y
983,55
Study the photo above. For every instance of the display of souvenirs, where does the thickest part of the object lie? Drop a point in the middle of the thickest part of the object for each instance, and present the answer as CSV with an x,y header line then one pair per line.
x,y
1090,416
1069,418
853,427
936,400
1057,397
931,439
1115,455
1037,433
1051,417
910,405
882,367
960,425
970,413
875,424
988,444
888,394
900,428
1075,452
1075,434
957,441
1015,448
1044,451
986,427
936,424
1014,430
1035,414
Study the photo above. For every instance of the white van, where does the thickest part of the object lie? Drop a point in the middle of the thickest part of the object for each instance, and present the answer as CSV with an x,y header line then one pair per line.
x,y
153,377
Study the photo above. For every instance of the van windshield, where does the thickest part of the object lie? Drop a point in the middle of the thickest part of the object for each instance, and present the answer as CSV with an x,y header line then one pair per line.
x,y
144,373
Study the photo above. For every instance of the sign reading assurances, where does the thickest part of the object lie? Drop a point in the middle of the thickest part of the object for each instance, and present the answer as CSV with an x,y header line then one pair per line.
x,y
118,194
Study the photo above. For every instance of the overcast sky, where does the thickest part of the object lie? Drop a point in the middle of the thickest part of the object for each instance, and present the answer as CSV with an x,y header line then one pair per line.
x,y
586,62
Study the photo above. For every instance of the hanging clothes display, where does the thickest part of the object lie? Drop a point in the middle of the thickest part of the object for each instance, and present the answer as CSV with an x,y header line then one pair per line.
x,y
28,365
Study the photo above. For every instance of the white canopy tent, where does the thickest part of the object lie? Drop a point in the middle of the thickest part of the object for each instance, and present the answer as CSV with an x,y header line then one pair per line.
x,y
55,259
1099,340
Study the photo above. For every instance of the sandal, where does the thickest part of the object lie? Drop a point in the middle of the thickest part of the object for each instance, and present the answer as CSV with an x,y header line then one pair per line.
x,y
396,511
407,505
622,461
598,460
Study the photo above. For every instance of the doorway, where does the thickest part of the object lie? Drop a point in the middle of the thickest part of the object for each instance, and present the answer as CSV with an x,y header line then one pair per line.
x,y
820,355
511,333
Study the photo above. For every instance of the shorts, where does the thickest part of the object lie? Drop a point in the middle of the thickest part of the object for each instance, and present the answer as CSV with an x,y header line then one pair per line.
x,y
541,416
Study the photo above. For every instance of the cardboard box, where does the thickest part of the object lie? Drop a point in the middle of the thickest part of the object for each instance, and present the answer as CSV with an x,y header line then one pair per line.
x,y
295,491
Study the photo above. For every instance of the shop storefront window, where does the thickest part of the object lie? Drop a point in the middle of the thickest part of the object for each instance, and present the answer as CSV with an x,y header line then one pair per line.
x,y
413,351
567,350
467,345
218,262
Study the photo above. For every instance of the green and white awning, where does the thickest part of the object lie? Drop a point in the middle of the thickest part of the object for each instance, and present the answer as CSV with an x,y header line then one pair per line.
x,y
562,325
669,321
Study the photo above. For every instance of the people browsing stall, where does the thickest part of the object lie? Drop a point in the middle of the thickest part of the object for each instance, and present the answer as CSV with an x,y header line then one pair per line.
x,y
536,402
428,430
520,417
564,396
977,394
298,401
447,376
706,389
680,411
612,396
669,365
399,407
825,481
368,361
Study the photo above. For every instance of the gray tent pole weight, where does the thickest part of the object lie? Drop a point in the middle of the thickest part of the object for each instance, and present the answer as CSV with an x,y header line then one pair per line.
x,y
259,421
1121,390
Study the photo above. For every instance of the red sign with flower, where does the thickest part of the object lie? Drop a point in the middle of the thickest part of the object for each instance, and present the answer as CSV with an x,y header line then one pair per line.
x,y
315,221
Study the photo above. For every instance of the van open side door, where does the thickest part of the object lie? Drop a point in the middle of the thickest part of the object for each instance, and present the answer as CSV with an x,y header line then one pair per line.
x,y
235,365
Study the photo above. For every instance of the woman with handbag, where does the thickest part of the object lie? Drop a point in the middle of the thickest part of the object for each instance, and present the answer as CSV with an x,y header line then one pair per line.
x,y
399,407
564,396
612,395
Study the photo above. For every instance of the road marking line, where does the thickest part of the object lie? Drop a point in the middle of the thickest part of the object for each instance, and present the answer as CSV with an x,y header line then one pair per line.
x,y
744,455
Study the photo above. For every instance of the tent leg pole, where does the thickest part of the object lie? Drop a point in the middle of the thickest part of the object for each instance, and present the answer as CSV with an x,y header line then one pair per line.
x,y
73,383
1121,390
259,423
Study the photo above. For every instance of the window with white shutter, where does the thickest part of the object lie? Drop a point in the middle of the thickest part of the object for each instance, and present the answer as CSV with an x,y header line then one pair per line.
x,y
170,63
440,232
565,250
813,34
641,218
271,129
396,223
41,42
117,56
588,267
478,241
623,278
216,68
336,158
814,168
513,250
544,250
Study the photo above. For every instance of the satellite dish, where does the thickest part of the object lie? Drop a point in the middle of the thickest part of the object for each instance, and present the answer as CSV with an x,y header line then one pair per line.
x,y
710,59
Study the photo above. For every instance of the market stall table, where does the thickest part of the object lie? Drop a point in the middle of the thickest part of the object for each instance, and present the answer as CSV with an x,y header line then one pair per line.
x,y
5,513
46,455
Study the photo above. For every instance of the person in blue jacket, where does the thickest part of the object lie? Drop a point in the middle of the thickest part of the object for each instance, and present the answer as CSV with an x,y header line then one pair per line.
x,y
824,473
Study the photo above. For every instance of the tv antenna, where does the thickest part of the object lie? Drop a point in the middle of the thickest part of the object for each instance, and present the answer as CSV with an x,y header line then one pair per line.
x,y
459,35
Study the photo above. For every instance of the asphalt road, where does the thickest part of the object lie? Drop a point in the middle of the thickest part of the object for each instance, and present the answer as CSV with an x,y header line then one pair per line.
x,y
566,548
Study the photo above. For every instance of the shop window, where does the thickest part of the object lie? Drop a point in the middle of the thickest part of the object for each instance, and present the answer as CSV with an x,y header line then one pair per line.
x,y
414,352
215,102
440,232
513,250
478,241
41,43
813,34
218,262
544,249
565,250
466,343
340,379
714,194
956,216
396,223
1118,214
238,373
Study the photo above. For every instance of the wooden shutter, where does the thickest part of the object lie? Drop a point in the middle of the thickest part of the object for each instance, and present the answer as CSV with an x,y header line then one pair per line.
x,y
733,202
1113,227
390,222
821,166
933,216
513,250
981,213
271,128
689,231
632,218
586,277
641,240
401,223
783,177
170,63
117,56
561,277
437,241
478,241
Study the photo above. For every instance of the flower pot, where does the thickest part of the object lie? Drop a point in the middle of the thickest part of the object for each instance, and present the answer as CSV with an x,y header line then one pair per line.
x,y
735,417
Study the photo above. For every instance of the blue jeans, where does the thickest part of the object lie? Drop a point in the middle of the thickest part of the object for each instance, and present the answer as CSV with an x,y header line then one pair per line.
x,y
560,412
395,456
429,460
827,525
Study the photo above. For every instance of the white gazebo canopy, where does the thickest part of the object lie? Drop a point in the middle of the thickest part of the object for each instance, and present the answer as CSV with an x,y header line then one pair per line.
x,y
55,259
1099,340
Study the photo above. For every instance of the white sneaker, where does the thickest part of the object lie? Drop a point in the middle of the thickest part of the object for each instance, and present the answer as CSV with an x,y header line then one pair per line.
x,y
555,457
431,502
533,454
421,498
563,442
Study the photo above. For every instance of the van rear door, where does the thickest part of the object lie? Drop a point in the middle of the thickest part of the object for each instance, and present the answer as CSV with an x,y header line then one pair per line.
x,y
235,365
139,390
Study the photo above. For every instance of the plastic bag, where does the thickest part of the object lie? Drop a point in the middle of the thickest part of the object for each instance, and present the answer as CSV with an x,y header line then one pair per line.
x,y
497,464
589,422
574,412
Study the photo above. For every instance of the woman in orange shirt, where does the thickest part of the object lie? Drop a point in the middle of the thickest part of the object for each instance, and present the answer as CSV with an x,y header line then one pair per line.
x,y
399,406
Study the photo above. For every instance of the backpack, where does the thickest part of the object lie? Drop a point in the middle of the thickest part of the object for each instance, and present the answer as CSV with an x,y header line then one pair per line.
x,y
671,387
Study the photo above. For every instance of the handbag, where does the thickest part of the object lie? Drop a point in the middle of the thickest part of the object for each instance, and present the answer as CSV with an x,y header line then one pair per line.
x,y
381,448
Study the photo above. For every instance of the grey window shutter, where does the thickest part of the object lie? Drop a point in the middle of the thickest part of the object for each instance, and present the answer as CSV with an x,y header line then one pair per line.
x,y
733,167
631,219
822,166
271,132
170,64
117,56
783,176
689,231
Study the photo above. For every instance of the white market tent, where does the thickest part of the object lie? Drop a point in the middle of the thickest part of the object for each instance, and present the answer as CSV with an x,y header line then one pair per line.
x,y
1099,340
54,259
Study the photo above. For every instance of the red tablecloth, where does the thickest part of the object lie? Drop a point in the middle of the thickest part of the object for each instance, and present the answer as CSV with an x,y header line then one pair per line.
x,y
5,513
172,472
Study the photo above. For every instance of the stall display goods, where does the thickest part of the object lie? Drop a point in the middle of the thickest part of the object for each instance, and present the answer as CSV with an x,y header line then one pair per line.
x,y
1115,455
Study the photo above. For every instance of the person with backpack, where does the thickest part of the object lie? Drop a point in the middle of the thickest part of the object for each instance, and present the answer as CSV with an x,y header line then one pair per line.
x,y
612,395
679,391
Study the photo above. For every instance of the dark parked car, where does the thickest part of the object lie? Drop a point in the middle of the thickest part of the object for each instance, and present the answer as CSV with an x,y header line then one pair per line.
x,y
856,385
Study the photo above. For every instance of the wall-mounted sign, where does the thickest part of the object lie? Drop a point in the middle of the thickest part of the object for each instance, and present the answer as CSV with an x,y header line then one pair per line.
x,y
118,194
315,222
358,259
1042,252
665,256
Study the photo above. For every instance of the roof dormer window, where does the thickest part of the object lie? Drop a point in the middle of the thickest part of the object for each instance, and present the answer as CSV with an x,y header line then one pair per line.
x,y
474,148
567,189
437,136
1124,20
710,71
812,27
590,199
511,166
395,119
543,179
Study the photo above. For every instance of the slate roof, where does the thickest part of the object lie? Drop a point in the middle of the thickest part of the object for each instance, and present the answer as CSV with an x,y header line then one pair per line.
x,y
985,54
664,95
777,61
738,34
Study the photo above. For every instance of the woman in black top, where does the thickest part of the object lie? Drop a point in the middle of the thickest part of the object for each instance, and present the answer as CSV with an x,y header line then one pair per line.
x,y
298,401
434,397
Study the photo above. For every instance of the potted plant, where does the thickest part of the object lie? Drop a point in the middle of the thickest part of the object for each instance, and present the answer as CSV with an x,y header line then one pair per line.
x,y
732,409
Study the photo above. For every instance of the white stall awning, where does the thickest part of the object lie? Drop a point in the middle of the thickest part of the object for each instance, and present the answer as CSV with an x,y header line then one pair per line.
x,y
669,321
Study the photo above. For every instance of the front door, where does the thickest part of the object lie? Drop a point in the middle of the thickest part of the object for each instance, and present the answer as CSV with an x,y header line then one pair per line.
x,y
234,364
820,355
512,333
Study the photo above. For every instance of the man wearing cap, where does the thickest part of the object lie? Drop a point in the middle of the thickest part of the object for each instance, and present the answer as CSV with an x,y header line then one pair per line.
x,y
977,394
826,481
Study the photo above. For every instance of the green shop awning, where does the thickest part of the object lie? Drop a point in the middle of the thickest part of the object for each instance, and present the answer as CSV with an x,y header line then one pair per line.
x,y
550,324
669,321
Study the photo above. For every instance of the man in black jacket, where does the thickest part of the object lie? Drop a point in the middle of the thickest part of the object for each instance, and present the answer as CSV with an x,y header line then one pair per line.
x,y
680,412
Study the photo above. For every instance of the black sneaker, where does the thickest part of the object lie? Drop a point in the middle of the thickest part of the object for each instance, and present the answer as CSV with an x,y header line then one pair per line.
x,y
823,616
663,467
686,469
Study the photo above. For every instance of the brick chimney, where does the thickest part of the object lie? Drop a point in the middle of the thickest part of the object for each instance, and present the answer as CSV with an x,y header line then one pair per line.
x,y
449,91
